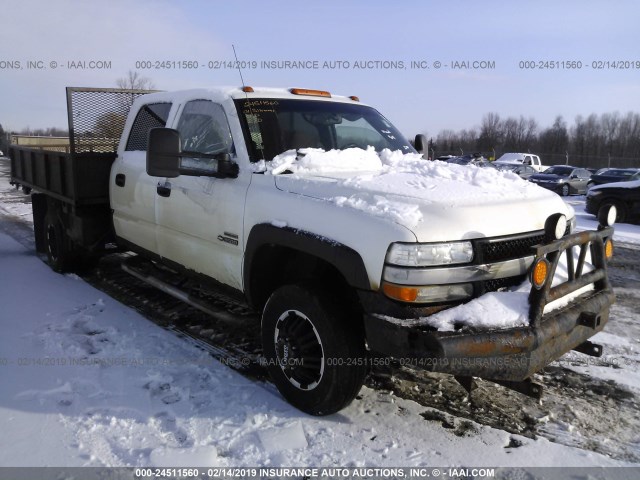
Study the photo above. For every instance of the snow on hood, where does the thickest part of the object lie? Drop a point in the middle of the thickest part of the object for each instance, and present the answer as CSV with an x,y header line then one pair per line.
x,y
405,187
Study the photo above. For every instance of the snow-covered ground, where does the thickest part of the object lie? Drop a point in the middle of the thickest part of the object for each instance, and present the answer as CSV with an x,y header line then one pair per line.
x,y
88,381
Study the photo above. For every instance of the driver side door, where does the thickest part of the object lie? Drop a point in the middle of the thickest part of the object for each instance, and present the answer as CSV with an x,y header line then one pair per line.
x,y
200,219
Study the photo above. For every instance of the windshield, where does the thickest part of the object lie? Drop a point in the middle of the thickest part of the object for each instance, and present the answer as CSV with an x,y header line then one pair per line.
x,y
562,171
273,126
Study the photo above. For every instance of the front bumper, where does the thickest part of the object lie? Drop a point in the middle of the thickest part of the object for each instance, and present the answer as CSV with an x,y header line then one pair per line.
x,y
512,354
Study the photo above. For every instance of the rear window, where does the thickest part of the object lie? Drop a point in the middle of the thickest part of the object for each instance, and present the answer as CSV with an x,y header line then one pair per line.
x,y
149,116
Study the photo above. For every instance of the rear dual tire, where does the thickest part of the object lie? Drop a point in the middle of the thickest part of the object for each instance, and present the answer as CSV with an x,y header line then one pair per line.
x,y
60,254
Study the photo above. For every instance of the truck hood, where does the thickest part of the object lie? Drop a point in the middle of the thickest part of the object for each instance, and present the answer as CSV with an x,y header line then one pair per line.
x,y
436,201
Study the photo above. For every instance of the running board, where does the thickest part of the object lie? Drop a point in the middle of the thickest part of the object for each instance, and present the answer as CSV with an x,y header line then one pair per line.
x,y
175,292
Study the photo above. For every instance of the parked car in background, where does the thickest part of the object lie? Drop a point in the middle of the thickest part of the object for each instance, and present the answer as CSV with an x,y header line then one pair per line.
x,y
472,159
613,175
563,179
444,158
522,159
523,171
624,195
1,153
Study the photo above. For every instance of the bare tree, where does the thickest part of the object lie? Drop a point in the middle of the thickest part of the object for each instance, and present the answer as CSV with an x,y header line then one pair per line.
x,y
135,81
490,132
556,138
110,125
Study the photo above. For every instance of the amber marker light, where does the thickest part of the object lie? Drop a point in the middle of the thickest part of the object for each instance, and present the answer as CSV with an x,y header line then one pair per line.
x,y
539,273
608,249
247,89
397,292
313,93
354,98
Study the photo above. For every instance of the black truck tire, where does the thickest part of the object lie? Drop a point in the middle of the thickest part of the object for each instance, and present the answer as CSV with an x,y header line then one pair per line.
x,y
59,248
314,353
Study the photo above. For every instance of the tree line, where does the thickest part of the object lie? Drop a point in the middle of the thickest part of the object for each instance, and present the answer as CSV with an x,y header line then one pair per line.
x,y
107,125
597,140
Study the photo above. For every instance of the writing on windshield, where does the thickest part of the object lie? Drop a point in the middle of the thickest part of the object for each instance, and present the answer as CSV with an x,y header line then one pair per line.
x,y
273,126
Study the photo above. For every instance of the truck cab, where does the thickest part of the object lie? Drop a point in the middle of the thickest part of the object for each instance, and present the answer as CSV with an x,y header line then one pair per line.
x,y
522,159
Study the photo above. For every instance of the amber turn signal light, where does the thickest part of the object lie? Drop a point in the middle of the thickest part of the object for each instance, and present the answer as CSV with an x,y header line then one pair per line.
x,y
539,273
608,249
398,292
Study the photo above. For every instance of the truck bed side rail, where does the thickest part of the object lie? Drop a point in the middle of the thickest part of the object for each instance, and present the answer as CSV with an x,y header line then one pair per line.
x,y
79,179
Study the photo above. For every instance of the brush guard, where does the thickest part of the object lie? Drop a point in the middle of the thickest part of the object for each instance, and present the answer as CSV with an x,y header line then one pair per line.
x,y
510,356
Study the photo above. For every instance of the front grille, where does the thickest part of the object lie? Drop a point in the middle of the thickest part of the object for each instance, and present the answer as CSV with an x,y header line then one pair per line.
x,y
495,285
500,250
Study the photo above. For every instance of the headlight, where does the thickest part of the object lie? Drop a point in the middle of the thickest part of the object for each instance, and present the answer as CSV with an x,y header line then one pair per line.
x,y
428,254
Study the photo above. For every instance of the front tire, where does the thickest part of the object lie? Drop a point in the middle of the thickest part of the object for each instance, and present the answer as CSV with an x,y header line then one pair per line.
x,y
314,353
565,190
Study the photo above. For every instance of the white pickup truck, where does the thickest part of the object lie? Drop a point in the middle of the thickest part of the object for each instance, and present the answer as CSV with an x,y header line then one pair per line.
x,y
314,210
522,159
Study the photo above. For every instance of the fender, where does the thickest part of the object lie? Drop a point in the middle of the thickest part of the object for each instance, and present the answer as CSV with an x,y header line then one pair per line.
x,y
345,259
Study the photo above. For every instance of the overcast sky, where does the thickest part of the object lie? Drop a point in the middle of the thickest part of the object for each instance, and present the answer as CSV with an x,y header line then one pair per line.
x,y
120,33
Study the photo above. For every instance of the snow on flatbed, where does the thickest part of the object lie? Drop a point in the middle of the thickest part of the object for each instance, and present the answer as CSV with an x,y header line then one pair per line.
x,y
88,381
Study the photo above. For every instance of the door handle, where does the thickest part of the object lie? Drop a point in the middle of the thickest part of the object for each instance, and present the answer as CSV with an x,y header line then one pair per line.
x,y
120,179
164,189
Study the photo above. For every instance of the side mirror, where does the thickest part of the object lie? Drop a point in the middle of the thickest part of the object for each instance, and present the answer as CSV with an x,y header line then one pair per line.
x,y
420,143
163,153
164,158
